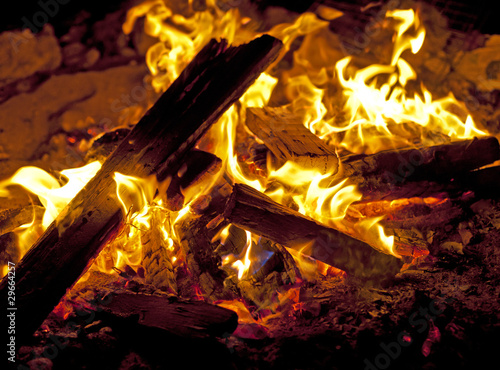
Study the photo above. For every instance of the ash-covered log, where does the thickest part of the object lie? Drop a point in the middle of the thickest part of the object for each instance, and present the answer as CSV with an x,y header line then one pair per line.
x,y
254,211
207,87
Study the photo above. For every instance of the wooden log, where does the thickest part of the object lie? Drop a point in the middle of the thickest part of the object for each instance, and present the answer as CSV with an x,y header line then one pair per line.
x,y
251,210
157,254
11,219
193,319
483,182
281,261
195,240
388,170
197,166
209,85
287,138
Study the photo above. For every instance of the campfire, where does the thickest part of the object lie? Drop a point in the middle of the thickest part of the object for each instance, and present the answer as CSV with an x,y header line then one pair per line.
x,y
250,186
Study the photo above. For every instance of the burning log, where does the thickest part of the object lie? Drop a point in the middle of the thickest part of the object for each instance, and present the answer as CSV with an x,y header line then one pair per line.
x,y
11,219
193,319
381,172
251,210
209,85
195,239
197,166
280,258
156,257
288,139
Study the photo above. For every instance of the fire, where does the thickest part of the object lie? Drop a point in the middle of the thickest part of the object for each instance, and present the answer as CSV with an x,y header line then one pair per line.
x,y
242,265
53,193
380,113
377,113
251,259
53,196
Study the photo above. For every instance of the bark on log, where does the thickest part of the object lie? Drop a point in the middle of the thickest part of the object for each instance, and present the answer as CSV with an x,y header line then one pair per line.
x,y
288,139
386,171
209,85
192,319
251,210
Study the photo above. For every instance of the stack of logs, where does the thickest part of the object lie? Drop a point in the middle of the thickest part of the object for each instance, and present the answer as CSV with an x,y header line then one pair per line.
x,y
162,144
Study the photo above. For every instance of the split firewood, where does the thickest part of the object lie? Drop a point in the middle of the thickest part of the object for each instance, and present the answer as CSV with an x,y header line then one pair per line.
x,y
195,241
11,219
287,138
381,172
158,143
197,166
254,211
157,254
192,319
415,212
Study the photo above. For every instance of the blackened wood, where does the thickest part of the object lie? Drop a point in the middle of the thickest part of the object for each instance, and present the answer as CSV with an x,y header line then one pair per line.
x,y
386,171
254,211
280,261
193,319
289,140
198,248
197,166
208,86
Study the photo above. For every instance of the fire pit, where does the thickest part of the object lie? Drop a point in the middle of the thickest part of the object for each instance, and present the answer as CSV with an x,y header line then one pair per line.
x,y
249,185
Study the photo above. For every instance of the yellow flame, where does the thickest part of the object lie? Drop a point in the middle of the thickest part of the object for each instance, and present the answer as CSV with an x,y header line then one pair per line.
x,y
182,36
53,196
241,265
378,113
376,100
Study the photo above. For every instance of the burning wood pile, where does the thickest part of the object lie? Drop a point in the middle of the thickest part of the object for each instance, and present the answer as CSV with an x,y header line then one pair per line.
x,y
258,189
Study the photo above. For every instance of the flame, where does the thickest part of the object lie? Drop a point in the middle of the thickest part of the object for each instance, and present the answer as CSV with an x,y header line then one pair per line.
x,y
242,265
181,37
252,258
380,110
51,192
377,105
53,196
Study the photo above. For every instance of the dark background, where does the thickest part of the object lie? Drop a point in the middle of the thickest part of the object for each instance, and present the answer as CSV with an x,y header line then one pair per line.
x,y
464,15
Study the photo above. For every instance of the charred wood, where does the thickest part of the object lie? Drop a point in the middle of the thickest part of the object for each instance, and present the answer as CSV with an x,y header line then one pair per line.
x,y
193,319
386,171
209,85
197,166
251,210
